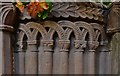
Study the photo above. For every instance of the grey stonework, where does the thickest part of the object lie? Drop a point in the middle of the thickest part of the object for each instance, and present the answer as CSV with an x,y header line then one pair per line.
x,y
75,39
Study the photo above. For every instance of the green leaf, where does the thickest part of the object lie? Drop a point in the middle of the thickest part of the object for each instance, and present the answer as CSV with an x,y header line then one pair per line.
x,y
50,6
39,14
25,3
47,1
44,15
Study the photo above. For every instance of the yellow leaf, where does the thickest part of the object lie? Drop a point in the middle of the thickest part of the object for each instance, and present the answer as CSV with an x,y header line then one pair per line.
x,y
18,2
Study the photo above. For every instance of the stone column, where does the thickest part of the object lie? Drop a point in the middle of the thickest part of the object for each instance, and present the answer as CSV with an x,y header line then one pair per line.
x,y
6,66
91,56
7,16
31,59
103,66
78,56
19,60
48,56
64,45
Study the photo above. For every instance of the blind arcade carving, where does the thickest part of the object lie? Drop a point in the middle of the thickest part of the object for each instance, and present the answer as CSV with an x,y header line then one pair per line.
x,y
86,36
59,45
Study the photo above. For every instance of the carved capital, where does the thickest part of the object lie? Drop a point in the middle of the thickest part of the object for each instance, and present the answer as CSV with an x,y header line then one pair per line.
x,y
80,44
93,45
20,46
32,42
64,45
31,45
47,45
104,47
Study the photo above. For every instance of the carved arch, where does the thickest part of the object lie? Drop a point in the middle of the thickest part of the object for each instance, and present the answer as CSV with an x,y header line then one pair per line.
x,y
8,13
100,32
88,27
38,27
55,26
21,36
50,33
26,31
70,25
23,30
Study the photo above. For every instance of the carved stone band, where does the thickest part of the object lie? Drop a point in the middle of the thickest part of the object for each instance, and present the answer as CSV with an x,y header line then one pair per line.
x,y
47,45
6,28
32,42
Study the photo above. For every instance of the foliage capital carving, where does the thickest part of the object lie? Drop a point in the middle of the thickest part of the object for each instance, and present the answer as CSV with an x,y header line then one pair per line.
x,y
64,45
80,44
93,45
47,45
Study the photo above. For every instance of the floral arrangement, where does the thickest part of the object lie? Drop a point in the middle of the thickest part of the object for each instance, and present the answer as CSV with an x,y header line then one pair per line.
x,y
35,8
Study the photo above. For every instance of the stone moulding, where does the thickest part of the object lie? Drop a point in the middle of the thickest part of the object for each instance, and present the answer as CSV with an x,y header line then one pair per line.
x,y
6,28
79,28
79,9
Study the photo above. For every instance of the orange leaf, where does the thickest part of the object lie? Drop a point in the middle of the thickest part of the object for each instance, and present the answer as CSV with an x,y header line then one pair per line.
x,y
44,5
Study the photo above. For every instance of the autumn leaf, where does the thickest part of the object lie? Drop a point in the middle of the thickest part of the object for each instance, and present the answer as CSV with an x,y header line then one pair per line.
x,y
45,15
35,8
44,5
19,2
